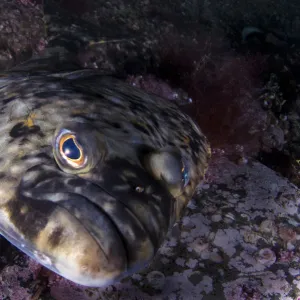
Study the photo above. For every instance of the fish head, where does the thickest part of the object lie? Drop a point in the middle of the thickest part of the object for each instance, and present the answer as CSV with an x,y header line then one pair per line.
x,y
90,182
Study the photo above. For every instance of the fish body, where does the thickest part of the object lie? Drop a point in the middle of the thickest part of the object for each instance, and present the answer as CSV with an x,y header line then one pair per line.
x,y
93,171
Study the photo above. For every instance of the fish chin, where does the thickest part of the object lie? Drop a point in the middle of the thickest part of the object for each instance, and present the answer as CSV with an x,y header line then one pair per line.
x,y
89,253
66,247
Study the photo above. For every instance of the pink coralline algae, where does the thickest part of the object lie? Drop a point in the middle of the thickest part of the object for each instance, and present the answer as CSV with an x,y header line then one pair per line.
x,y
13,280
287,234
242,292
286,256
266,257
40,46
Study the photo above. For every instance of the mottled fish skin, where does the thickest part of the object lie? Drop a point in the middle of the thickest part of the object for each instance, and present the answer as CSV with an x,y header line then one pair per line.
x,y
96,225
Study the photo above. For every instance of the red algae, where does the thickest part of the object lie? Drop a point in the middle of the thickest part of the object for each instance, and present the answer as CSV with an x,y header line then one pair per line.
x,y
222,86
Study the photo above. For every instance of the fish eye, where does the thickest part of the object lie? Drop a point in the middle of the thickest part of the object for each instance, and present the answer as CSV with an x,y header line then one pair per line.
x,y
71,150
78,148
169,167
68,151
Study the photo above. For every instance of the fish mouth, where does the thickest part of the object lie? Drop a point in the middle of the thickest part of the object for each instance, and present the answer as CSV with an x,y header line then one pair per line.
x,y
90,234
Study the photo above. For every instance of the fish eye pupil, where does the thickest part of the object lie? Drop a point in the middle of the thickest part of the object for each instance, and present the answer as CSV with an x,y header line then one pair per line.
x,y
70,149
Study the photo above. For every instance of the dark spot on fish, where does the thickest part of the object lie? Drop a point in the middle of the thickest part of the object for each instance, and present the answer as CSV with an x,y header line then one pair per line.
x,y
140,128
42,156
144,151
114,124
75,182
24,141
165,114
21,129
44,174
18,130
33,221
54,185
155,123
46,95
194,158
151,130
194,144
8,100
55,237
137,107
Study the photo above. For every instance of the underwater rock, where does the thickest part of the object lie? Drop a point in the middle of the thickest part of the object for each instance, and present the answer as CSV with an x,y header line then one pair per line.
x,y
21,31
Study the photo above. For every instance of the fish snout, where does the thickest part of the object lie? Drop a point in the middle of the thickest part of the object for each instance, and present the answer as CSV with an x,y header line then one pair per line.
x,y
54,222
89,253
92,233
